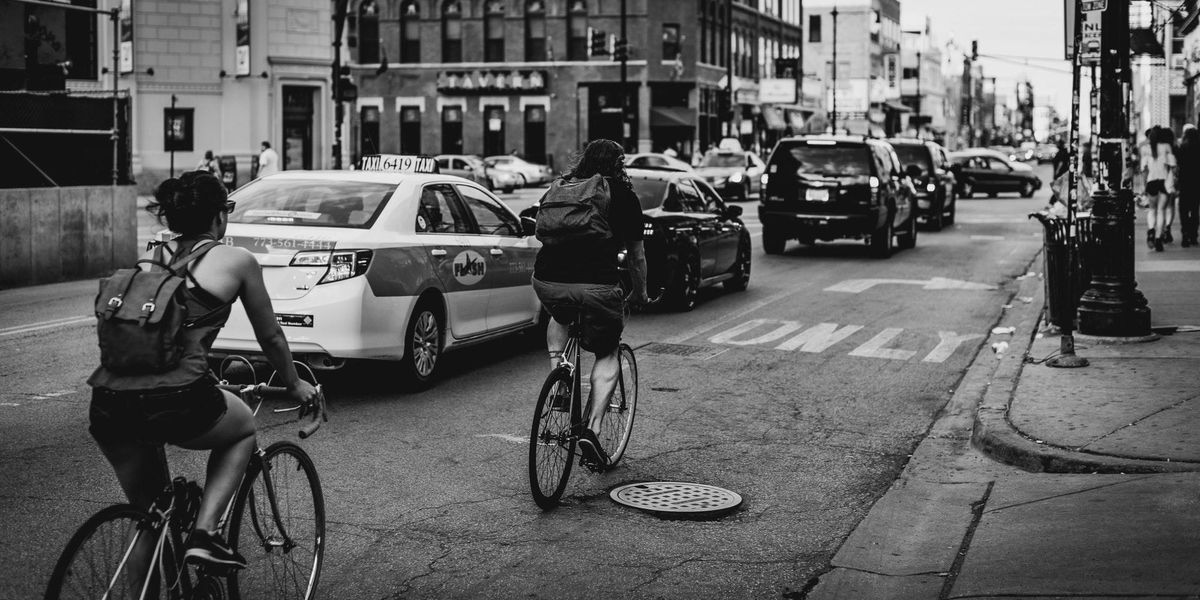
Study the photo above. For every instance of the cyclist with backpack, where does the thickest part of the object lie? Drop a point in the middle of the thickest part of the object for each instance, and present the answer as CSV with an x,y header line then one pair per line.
x,y
583,221
156,323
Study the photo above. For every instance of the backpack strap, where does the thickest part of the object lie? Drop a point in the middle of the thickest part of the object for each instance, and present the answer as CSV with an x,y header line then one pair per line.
x,y
121,280
193,254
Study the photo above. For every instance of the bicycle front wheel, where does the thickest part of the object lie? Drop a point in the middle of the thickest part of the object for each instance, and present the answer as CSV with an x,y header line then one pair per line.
x,y
551,444
278,524
102,561
618,416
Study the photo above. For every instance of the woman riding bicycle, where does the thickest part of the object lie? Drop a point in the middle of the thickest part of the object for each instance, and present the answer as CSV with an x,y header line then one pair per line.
x,y
133,415
584,276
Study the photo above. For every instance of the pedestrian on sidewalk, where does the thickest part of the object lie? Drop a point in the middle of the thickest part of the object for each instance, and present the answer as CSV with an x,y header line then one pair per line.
x,y
1189,185
210,164
1167,136
268,160
1158,165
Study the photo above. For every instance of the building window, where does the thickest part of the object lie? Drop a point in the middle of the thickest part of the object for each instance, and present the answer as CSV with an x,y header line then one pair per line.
x,y
535,133
452,31
814,28
876,25
493,31
368,32
703,31
670,41
535,31
577,25
410,32
493,130
452,133
410,129
368,135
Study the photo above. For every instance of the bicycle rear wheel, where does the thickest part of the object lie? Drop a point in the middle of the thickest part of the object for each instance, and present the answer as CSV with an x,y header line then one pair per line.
x,y
94,562
618,417
278,524
551,444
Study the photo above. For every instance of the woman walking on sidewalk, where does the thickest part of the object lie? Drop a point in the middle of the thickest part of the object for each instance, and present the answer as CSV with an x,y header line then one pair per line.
x,y
1158,166
1189,185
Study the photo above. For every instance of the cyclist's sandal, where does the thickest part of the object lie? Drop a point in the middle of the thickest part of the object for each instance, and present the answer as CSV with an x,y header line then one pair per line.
x,y
209,548
589,444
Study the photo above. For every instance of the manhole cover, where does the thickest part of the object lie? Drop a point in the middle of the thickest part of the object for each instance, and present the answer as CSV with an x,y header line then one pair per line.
x,y
677,499
684,350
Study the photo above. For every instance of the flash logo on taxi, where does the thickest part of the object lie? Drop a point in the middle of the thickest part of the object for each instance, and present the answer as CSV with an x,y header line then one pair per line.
x,y
469,267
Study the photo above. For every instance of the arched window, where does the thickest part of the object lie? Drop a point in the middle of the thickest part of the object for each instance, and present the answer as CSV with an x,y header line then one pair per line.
x,y
493,31
368,32
410,32
452,31
535,30
577,26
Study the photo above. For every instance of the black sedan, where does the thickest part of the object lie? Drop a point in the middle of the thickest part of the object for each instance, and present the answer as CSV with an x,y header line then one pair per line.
x,y
987,172
693,239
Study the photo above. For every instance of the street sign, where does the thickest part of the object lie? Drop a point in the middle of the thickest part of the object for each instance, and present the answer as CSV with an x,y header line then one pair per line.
x,y
1090,37
1092,11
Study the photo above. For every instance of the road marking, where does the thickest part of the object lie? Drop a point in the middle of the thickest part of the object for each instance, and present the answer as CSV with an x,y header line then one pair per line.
x,y
823,336
855,286
32,327
50,395
729,317
516,439
9,404
986,220
990,238
1168,266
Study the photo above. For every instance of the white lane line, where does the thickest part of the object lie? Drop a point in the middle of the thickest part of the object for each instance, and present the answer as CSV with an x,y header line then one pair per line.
x,y
516,439
32,327
729,317
990,238
9,404
50,395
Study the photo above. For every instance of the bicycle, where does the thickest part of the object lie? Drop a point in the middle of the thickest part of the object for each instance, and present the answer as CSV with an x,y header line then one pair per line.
x,y
558,416
127,552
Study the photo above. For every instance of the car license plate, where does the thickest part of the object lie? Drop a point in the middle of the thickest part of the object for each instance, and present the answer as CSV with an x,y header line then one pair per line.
x,y
816,195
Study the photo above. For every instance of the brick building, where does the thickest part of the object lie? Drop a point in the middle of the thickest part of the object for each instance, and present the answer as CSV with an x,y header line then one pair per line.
x,y
497,76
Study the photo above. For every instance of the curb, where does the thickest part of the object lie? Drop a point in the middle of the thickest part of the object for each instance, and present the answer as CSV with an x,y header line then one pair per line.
x,y
994,435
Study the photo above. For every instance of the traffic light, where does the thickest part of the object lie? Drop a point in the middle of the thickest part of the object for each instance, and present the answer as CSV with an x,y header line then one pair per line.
x,y
974,49
346,90
620,50
597,42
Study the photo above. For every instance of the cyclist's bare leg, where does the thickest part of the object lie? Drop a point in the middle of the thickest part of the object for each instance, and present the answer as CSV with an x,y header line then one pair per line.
x,y
604,380
142,476
232,442
556,341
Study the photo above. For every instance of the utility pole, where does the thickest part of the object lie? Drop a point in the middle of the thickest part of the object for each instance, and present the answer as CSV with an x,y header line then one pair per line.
x,y
918,115
623,55
728,35
339,110
1113,306
833,114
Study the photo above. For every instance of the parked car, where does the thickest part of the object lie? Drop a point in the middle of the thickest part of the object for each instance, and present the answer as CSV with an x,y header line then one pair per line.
x,y
1045,153
928,166
693,239
466,166
655,160
983,171
531,173
735,174
831,187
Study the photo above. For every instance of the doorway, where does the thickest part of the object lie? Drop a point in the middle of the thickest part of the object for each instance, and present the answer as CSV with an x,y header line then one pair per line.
x,y
298,126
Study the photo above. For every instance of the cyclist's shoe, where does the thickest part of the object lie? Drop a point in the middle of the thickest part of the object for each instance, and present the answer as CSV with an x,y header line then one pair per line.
x,y
593,454
210,549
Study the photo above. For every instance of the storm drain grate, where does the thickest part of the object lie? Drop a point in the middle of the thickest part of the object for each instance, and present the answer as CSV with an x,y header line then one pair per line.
x,y
677,499
683,350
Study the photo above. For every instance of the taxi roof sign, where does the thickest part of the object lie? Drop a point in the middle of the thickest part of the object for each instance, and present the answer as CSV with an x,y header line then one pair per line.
x,y
399,163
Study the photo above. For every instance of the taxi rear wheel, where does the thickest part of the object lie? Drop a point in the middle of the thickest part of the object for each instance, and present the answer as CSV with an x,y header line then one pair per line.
x,y
423,345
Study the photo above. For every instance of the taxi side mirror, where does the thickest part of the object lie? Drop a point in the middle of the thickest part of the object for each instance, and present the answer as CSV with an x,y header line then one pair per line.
x,y
528,225
733,211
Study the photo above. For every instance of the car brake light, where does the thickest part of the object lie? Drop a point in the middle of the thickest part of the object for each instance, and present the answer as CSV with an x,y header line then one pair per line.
x,y
874,182
342,264
931,187
764,178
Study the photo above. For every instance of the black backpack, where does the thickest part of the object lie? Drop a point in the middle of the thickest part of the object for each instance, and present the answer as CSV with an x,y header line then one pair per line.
x,y
575,210
141,315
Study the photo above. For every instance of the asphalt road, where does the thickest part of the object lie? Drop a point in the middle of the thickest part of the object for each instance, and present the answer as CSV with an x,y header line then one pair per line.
x,y
805,394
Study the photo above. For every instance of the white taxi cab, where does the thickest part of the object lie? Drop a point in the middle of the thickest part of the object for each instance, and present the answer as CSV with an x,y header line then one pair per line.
x,y
392,262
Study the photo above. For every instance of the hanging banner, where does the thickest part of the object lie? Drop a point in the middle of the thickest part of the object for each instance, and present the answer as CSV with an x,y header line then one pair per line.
x,y
125,59
891,75
242,52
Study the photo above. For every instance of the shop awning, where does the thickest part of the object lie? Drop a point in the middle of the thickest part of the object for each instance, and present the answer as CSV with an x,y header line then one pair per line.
x,y
672,116
773,117
896,106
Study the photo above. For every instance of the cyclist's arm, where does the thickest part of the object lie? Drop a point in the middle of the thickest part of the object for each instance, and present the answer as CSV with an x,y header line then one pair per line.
x,y
636,261
267,331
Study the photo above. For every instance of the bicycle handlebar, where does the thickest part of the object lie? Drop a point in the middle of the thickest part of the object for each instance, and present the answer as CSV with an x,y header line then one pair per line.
x,y
315,407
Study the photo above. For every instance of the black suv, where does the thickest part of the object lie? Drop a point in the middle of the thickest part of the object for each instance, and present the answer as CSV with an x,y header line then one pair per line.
x,y
693,238
837,187
928,166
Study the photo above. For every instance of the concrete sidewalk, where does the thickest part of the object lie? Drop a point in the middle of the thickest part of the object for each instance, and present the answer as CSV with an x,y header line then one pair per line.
x,y
1047,483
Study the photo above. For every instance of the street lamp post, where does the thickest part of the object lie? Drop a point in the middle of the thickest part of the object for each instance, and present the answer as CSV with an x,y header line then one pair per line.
x,y
625,120
833,113
918,107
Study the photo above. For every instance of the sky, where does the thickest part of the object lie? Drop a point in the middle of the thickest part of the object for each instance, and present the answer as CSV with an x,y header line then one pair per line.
x,y
1008,28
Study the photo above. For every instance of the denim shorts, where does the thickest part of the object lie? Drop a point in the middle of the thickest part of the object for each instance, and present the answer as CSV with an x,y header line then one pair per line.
x,y
1156,186
160,416
603,318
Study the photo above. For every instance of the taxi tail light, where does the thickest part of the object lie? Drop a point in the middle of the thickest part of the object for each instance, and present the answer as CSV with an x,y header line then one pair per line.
x,y
342,264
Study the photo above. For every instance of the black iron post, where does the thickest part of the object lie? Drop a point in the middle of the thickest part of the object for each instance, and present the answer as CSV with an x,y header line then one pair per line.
x,y
624,50
918,107
1113,306
173,99
339,111
728,35
833,113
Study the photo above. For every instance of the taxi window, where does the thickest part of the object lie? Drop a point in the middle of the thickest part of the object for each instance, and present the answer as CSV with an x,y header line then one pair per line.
x,y
440,211
491,218
310,202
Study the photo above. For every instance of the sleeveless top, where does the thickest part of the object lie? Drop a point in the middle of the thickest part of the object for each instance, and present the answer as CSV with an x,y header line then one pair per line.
x,y
198,336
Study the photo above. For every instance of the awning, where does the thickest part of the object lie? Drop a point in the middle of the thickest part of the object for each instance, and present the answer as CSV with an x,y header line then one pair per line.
x,y
896,106
672,116
773,117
